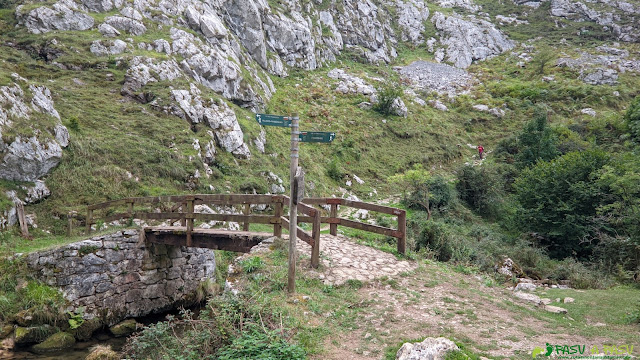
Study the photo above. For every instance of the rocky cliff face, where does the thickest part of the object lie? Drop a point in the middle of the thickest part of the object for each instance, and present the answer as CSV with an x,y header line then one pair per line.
x,y
214,58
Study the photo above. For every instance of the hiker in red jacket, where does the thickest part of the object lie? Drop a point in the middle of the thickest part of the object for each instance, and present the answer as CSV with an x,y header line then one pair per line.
x,y
480,151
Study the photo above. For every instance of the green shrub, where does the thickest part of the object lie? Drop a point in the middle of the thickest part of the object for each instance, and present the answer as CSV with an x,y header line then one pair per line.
x,y
559,200
536,142
334,171
632,118
386,96
481,187
256,344
542,58
445,243
252,264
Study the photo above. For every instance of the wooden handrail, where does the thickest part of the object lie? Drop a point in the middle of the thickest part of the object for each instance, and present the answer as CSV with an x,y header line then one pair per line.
x,y
333,220
183,209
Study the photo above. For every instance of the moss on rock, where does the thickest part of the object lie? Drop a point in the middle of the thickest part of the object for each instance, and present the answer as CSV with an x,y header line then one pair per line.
x,y
55,343
124,328
86,329
5,331
33,334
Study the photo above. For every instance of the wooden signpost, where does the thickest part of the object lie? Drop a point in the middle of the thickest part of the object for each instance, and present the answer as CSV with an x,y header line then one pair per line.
x,y
296,177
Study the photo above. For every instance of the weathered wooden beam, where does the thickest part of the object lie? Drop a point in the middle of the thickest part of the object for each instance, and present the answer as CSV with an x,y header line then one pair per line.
x,y
277,228
300,233
205,238
315,249
259,219
333,228
323,219
22,219
370,228
402,228
247,208
303,208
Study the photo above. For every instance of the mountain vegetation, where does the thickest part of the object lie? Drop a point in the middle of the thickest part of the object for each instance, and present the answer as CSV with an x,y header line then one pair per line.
x,y
111,99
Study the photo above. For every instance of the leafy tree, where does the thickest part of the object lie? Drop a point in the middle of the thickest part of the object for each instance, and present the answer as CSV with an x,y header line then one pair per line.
x,y
542,58
415,188
632,118
536,142
559,200
481,187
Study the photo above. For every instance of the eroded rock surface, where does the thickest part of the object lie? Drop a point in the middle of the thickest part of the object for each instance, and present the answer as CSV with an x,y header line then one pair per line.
x,y
469,39
63,15
429,76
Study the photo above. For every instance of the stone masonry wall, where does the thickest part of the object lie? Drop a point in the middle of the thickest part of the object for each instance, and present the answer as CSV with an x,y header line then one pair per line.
x,y
114,277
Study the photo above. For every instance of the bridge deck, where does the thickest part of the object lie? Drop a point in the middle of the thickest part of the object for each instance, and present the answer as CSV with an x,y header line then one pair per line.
x,y
239,241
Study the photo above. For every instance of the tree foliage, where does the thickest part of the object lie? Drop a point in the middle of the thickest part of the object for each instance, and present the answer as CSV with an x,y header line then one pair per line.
x,y
536,142
632,118
559,200
481,187
415,188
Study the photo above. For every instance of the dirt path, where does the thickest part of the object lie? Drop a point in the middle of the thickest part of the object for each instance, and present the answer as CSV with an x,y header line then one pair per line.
x,y
408,301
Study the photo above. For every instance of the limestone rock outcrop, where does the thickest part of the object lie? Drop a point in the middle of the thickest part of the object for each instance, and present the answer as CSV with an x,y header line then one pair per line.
x,y
215,114
469,39
63,15
29,157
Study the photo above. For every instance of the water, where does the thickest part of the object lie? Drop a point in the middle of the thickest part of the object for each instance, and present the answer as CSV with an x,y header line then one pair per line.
x,y
79,351
84,348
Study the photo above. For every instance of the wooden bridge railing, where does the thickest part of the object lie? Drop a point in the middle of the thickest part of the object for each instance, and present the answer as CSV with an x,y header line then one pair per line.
x,y
333,220
182,208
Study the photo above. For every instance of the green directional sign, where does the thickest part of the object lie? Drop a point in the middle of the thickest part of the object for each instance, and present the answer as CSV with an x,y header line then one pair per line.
x,y
317,136
273,120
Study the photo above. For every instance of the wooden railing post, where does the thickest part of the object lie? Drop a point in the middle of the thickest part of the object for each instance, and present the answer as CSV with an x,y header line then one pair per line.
x,y
189,219
22,219
89,220
402,228
130,210
247,208
315,250
183,221
277,227
333,228
69,224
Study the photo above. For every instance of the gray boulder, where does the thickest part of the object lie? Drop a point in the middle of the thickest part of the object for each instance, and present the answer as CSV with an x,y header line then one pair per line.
x,y
133,27
36,192
601,76
108,30
464,4
399,108
144,70
290,36
63,15
102,5
27,159
104,48
42,100
217,67
428,349
469,39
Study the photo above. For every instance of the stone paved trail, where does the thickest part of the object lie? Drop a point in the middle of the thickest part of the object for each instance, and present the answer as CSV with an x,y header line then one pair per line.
x,y
342,259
